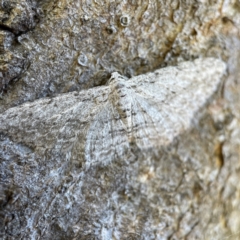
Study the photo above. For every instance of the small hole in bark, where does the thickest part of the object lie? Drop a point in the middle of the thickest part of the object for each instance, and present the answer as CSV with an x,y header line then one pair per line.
x,y
124,20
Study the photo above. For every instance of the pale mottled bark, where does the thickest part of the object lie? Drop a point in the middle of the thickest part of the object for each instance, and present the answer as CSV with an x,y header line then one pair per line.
x,y
188,190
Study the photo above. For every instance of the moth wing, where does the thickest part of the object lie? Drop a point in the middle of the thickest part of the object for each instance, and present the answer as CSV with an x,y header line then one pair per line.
x,y
197,79
166,101
53,124
106,138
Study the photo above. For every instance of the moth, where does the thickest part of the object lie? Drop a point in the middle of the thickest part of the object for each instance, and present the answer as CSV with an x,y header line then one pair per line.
x,y
102,123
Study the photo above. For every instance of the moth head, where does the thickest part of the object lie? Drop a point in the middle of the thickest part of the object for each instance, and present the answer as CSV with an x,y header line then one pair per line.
x,y
115,78
117,82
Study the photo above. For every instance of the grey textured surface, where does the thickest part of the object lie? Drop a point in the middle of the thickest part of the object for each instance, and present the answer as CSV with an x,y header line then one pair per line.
x,y
100,163
16,17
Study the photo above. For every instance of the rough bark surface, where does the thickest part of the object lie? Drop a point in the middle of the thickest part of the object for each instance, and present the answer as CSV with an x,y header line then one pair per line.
x,y
184,189
78,44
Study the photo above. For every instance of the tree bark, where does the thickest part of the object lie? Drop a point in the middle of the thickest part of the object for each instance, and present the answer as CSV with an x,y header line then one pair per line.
x,y
55,53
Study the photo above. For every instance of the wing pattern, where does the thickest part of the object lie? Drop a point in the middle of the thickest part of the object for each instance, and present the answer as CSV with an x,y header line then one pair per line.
x,y
100,124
